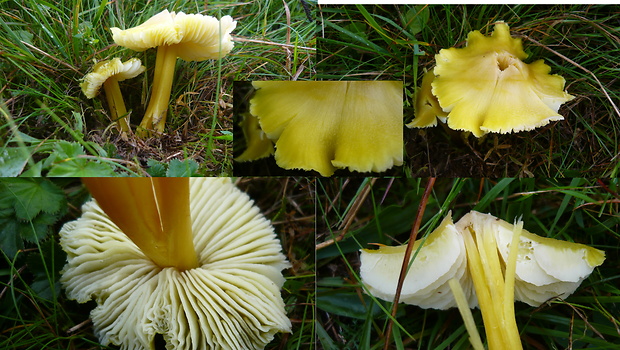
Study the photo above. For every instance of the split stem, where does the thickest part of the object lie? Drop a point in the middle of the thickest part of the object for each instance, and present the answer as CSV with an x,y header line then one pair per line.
x,y
494,289
483,293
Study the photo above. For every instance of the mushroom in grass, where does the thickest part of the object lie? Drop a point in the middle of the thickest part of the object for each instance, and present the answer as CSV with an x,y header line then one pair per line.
x,y
486,87
108,73
503,263
326,125
191,37
192,260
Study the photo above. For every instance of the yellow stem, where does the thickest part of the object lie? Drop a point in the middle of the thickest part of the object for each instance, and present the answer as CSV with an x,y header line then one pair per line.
x,y
485,301
153,213
155,116
494,289
468,318
495,280
172,195
118,112
511,328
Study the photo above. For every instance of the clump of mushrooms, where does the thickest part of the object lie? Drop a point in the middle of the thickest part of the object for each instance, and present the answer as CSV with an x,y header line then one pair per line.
x,y
108,73
192,260
191,37
486,87
324,126
504,263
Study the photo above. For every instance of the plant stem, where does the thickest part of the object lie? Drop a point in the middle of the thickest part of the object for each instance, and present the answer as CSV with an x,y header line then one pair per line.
x,y
155,115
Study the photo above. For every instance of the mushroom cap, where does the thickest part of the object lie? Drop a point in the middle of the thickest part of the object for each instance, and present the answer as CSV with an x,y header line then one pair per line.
x,y
104,70
232,301
441,258
196,37
486,87
258,145
546,267
325,125
426,108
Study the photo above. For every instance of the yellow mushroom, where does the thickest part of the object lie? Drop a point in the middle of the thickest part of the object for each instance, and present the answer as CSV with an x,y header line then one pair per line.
x,y
426,107
486,87
191,37
546,267
323,126
108,73
486,262
440,258
257,144
191,259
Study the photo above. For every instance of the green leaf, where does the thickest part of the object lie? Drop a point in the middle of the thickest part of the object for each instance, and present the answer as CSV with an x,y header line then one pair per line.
x,y
24,36
416,18
34,171
155,168
66,161
346,303
185,168
38,228
357,28
66,149
354,38
12,161
226,136
81,168
29,208
32,196
10,242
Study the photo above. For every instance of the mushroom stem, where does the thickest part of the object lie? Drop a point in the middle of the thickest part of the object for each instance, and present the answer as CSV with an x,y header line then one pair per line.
x,y
495,291
153,213
155,116
172,197
468,317
116,103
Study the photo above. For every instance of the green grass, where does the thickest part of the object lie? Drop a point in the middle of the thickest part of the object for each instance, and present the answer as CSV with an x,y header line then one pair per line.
x,y
34,311
47,47
579,42
579,210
